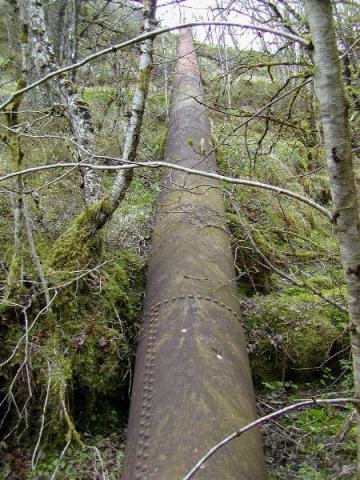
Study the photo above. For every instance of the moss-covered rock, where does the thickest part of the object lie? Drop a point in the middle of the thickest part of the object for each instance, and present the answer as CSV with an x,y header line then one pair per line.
x,y
291,333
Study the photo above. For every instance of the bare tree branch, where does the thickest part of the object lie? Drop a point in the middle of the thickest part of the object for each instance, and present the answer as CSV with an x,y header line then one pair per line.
x,y
265,419
239,181
145,36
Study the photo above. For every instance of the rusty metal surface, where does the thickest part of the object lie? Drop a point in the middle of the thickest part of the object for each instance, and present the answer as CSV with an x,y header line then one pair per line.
x,y
192,384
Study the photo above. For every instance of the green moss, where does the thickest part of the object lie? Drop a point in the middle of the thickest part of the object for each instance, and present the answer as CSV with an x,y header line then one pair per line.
x,y
88,337
80,243
290,333
144,78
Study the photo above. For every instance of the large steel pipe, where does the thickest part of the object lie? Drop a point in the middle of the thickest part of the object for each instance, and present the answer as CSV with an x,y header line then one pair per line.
x,y
192,384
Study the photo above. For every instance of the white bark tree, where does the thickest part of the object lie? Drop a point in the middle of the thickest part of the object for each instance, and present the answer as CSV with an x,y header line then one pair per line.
x,y
76,110
334,116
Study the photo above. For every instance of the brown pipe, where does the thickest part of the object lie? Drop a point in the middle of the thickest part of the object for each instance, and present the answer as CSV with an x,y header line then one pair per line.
x,y
192,384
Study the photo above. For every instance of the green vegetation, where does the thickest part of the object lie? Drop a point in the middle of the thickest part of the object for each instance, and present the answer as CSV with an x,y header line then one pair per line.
x,y
81,350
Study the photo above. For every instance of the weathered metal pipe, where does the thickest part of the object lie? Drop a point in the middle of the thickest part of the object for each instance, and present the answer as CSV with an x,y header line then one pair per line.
x,y
192,384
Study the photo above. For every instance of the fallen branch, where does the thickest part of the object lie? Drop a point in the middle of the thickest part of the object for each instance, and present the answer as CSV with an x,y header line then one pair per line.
x,y
265,419
216,176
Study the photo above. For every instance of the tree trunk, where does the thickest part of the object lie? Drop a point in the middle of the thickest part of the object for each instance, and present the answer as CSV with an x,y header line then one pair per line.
x,y
123,178
89,223
77,109
192,383
62,20
334,116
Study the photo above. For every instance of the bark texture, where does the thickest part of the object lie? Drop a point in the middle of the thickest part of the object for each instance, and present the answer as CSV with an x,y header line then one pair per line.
x,y
124,177
90,222
62,19
334,116
77,109
192,383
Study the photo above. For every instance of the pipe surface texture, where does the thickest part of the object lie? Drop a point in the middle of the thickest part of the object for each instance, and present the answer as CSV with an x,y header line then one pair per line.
x,y
192,384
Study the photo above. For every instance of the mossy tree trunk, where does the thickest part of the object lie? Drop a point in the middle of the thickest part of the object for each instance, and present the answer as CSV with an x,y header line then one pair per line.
x,y
89,223
12,141
334,116
15,153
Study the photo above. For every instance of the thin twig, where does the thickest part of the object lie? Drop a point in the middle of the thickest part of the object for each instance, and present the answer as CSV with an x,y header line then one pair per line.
x,y
216,176
145,36
265,419
34,457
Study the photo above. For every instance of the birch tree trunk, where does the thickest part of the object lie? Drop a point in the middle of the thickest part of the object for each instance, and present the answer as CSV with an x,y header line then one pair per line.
x,y
91,221
13,142
15,154
77,109
123,178
62,21
79,114
334,116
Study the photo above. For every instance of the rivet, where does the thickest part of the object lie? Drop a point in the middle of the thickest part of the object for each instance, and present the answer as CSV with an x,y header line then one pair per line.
x,y
166,300
138,465
146,434
199,297
207,298
138,476
140,442
141,432
147,425
173,299
148,406
147,415
146,445
145,455
229,309
216,301
190,296
182,297
158,304
144,468
142,423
